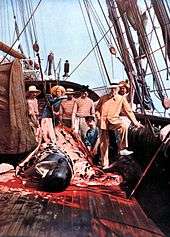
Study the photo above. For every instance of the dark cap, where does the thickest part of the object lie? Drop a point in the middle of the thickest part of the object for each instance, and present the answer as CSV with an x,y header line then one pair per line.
x,y
89,117
84,88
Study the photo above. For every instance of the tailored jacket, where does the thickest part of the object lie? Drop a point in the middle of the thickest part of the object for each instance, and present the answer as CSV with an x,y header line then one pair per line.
x,y
111,109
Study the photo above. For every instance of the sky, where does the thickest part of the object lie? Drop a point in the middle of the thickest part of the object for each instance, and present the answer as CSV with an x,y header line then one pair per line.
x,y
68,38
60,28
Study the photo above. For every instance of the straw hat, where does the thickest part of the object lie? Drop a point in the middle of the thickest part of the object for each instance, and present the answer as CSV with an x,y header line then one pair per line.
x,y
124,84
69,91
54,89
33,89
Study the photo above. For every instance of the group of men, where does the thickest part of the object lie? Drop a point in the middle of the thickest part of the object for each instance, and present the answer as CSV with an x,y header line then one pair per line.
x,y
92,123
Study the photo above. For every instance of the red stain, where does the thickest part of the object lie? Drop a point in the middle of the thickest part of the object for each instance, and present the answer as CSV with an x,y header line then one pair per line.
x,y
74,197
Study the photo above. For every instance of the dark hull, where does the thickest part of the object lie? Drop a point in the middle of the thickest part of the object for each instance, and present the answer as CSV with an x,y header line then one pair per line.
x,y
153,192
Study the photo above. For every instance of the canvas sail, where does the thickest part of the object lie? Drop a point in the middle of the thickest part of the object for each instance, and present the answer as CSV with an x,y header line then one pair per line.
x,y
16,135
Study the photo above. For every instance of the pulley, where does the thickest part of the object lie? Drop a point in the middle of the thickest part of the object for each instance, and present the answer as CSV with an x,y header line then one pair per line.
x,y
36,47
112,50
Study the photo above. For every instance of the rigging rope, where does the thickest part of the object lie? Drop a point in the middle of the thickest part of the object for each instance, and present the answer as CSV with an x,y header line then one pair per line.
x,y
22,29
16,27
98,22
158,40
29,25
8,17
117,46
147,48
95,53
33,21
86,3
90,51
22,12
145,98
168,6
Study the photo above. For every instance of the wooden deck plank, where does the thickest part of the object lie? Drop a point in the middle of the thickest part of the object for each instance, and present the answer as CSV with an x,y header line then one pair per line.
x,y
16,216
77,213
54,221
89,211
32,222
7,202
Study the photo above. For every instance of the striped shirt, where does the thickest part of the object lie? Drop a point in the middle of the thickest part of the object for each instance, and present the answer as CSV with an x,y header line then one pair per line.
x,y
33,107
66,108
83,107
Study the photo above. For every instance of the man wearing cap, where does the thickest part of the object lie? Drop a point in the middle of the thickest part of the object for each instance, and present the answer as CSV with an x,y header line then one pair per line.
x,y
83,107
92,139
110,119
33,111
66,108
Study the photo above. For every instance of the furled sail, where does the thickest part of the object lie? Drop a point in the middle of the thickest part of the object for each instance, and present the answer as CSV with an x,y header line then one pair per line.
x,y
164,21
127,17
16,135
137,80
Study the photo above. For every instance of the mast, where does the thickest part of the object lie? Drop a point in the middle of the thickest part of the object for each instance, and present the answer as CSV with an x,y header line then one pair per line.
x,y
134,11
146,98
130,70
131,14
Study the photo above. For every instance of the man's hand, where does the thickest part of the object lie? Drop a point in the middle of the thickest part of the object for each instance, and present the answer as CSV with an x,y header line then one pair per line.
x,y
94,151
138,125
19,170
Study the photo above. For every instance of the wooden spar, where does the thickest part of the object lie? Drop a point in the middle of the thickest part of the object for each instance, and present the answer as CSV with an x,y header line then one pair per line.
x,y
12,52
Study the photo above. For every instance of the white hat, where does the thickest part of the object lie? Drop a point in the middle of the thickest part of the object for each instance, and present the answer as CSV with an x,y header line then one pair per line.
x,y
113,86
69,91
33,89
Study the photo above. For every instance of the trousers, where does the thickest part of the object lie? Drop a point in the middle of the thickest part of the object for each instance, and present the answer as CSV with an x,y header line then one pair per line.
x,y
122,129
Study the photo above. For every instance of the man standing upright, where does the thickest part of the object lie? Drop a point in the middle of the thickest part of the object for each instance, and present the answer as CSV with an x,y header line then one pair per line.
x,y
110,119
66,108
33,111
83,107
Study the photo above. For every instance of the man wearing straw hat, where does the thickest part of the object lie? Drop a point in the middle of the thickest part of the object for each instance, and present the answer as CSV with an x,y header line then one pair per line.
x,y
124,88
66,108
51,109
33,111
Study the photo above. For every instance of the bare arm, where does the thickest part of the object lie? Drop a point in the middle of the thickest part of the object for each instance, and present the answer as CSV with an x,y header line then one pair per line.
x,y
92,109
128,110
61,112
74,114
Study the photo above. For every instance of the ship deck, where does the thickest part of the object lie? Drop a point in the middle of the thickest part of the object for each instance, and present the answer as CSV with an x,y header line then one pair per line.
x,y
78,211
